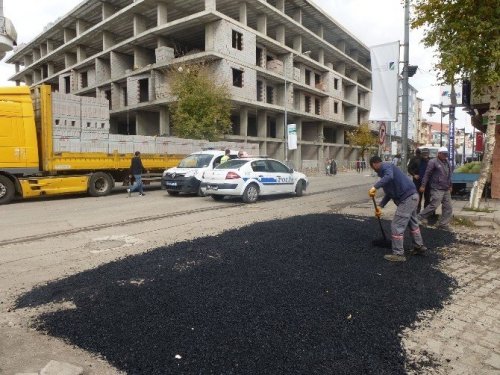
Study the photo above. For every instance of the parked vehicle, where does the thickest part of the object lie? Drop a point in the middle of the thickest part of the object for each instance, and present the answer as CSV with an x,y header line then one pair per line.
x,y
186,177
250,178
30,166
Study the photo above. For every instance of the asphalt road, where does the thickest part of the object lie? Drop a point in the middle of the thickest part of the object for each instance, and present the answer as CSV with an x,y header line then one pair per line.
x,y
45,240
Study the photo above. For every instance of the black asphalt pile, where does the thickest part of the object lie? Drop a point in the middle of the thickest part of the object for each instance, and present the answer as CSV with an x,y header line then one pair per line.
x,y
305,295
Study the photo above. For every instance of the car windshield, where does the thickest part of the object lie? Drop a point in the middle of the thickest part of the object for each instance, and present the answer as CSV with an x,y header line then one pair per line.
x,y
232,164
196,161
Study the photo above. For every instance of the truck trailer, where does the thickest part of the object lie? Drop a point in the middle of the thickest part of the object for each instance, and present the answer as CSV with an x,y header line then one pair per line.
x,y
30,165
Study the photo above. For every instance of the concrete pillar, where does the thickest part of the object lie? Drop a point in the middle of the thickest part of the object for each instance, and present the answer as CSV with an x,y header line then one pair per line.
x,y
295,156
297,43
50,69
68,34
354,53
280,5
81,53
243,13
297,16
280,34
244,121
50,46
262,124
262,23
210,5
81,26
161,14
321,31
18,67
115,96
140,24
339,135
341,45
107,10
141,57
329,65
341,68
108,40
69,59
321,56
164,121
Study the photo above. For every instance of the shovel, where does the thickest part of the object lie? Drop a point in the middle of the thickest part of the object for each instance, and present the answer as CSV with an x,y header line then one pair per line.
x,y
381,242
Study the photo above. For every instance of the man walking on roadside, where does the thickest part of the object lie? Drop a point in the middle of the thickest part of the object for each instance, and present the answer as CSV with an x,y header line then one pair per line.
x,y
438,176
136,169
398,187
416,169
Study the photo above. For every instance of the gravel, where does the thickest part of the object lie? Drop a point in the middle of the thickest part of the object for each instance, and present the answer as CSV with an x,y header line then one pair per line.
x,y
305,295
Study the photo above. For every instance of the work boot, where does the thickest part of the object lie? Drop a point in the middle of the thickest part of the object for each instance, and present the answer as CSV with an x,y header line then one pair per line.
x,y
395,258
443,227
419,250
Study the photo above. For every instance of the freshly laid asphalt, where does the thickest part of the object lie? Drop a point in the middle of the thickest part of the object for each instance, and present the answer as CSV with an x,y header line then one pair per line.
x,y
304,295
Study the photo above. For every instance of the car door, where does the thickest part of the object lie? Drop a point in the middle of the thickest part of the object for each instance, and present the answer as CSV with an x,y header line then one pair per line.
x,y
266,178
283,176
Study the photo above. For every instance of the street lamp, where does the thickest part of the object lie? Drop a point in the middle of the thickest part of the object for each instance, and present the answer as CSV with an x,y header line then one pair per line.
x,y
286,102
431,112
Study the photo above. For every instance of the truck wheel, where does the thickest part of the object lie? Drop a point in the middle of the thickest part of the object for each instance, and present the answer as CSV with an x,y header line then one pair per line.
x,y
100,184
6,190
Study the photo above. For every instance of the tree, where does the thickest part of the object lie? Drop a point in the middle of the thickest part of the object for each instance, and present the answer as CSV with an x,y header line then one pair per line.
x,y
465,34
362,137
203,107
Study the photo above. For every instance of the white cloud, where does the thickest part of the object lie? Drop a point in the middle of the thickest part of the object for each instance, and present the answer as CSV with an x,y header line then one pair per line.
x,y
372,22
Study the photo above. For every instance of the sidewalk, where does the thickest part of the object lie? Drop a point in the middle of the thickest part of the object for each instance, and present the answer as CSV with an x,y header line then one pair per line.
x,y
487,216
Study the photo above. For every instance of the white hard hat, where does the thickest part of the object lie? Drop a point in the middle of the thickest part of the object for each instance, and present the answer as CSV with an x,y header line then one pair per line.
x,y
443,149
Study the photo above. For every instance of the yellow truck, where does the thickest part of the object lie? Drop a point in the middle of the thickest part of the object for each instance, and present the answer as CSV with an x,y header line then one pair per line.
x,y
29,165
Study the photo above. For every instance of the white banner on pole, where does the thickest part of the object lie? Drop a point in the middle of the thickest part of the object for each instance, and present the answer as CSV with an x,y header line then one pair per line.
x,y
292,136
445,95
385,76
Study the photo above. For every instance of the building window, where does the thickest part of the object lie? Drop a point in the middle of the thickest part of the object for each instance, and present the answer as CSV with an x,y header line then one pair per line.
x,y
308,77
67,84
335,107
336,83
317,106
237,78
143,90
260,91
308,103
237,40
270,94
85,79
258,56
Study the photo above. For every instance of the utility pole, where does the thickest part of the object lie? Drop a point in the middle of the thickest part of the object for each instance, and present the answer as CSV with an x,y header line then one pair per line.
x,y
404,130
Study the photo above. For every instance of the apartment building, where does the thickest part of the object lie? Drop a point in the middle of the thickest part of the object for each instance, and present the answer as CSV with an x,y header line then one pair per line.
x,y
280,58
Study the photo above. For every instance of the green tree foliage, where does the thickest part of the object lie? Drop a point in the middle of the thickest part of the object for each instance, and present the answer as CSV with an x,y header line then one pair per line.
x,y
203,106
466,36
363,138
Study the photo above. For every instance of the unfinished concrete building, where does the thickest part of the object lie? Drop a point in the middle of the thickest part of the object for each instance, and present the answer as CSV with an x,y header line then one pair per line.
x,y
277,57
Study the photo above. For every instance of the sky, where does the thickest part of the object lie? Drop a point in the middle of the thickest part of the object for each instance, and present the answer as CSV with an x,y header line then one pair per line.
x,y
372,22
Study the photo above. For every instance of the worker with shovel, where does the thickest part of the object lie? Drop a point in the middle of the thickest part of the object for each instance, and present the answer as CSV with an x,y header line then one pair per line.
x,y
398,187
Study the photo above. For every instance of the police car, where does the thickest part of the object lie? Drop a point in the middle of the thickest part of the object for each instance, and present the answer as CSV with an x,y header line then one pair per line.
x,y
186,177
250,178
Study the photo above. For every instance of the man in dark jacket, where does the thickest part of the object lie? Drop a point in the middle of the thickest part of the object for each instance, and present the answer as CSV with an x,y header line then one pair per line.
x,y
136,169
398,187
438,177
416,169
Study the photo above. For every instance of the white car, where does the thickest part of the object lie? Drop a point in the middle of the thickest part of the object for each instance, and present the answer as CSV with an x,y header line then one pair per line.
x,y
250,178
186,177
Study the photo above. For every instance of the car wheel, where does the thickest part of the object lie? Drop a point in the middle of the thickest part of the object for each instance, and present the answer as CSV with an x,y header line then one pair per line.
x,y
217,197
100,184
299,189
251,194
171,192
200,192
